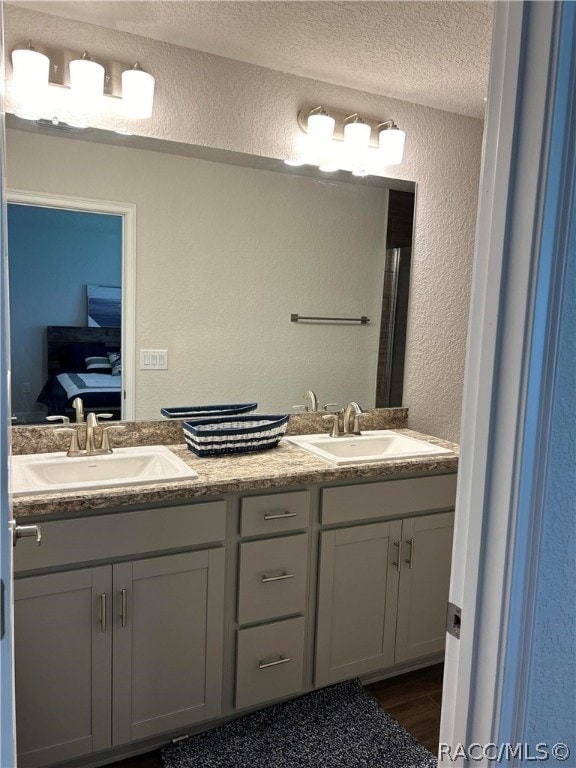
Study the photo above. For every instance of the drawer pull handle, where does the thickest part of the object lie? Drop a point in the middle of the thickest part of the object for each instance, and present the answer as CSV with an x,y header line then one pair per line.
x,y
284,575
396,563
103,612
279,660
281,516
124,613
410,560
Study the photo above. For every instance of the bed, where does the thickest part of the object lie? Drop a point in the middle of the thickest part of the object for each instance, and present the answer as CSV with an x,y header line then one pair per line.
x,y
82,362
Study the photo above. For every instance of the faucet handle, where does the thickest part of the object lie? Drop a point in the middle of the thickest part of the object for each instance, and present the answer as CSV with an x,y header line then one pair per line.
x,y
328,406
104,416
74,449
105,445
301,408
62,419
336,416
356,422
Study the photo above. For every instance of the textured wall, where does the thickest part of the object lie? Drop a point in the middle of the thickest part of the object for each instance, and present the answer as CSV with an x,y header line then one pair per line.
x,y
224,255
551,706
208,100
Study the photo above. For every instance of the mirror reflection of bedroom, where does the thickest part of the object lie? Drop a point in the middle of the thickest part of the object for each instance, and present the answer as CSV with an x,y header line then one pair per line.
x,y
65,273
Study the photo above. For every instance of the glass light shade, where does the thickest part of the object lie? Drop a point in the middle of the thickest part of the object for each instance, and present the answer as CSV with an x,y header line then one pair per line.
x,y
357,136
320,127
30,74
87,82
391,145
137,93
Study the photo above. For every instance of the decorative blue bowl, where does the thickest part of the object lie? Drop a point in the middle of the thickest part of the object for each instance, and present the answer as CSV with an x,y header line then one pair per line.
x,y
240,434
197,411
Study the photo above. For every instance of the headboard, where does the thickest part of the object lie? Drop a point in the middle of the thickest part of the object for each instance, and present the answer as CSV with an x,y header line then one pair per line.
x,y
59,336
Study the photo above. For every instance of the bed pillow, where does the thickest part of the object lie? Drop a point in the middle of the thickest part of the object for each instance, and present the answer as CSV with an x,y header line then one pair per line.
x,y
115,362
98,364
74,358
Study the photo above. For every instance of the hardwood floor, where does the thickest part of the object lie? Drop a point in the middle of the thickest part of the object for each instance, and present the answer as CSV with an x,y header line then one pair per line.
x,y
413,699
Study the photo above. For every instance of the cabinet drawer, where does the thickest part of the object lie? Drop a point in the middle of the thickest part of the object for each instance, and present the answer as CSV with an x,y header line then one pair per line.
x,y
270,662
275,513
272,579
350,503
106,537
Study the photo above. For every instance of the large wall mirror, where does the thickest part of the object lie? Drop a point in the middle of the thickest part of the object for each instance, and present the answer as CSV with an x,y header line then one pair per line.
x,y
227,249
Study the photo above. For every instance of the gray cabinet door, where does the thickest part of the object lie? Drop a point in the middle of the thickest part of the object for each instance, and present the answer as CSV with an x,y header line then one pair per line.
x,y
63,651
168,629
357,601
424,582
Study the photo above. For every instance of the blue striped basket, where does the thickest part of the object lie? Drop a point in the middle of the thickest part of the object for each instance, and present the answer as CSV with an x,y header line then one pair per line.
x,y
237,434
197,411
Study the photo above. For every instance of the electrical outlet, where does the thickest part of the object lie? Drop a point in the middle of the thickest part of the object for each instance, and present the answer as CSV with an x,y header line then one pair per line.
x,y
153,359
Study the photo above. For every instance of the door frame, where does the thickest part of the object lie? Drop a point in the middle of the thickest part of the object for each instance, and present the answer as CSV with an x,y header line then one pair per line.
x,y
128,213
511,364
7,702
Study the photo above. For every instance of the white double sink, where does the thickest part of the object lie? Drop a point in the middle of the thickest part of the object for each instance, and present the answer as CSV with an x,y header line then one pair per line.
x,y
371,445
55,472
51,472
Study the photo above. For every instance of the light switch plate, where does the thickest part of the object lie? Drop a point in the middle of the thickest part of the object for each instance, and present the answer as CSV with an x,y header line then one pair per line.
x,y
153,359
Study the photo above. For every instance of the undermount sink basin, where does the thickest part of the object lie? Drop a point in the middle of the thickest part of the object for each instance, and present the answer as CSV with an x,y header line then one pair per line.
x,y
371,445
50,472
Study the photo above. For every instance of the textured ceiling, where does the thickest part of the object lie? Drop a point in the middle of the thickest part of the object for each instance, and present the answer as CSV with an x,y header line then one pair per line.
x,y
431,53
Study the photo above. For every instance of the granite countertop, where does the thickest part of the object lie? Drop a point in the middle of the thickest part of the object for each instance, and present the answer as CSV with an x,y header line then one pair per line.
x,y
286,465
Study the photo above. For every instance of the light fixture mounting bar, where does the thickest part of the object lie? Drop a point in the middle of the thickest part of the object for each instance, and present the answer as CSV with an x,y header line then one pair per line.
x,y
59,67
342,117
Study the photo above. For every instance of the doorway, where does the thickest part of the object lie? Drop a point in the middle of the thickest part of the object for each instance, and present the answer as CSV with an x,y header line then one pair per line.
x,y
71,274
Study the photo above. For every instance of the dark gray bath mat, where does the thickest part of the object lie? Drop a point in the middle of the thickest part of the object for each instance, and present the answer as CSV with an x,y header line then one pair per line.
x,y
337,727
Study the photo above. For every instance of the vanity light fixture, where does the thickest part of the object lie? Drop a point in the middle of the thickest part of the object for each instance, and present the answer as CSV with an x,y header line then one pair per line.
x,y
320,126
61,85
31,70
87,82
357,133
337,140
137,92
391,142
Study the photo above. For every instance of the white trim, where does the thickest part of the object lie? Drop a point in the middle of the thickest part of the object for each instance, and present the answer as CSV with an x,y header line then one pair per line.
x,y
495,411
7,692
480,369
128,213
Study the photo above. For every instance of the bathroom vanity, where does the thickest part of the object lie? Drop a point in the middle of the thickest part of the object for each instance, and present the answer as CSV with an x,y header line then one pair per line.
x,y
158,611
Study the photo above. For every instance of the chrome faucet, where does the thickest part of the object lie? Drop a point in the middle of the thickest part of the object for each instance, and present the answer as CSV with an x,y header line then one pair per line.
x,y
91,425
345,422
78,405
310,395
352,414
90,442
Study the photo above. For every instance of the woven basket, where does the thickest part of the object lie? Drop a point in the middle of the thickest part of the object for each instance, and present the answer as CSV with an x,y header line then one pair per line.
x,y
199,411
239,434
